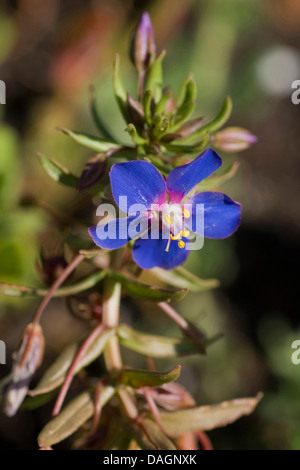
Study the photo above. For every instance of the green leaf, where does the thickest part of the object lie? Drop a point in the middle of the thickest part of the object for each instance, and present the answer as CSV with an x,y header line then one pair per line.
x,y
56,171
143,291
217,180
32,403
136,138
152,438
216,123
178,147
187,107
156,346
155,77
56,373
97,118
146,378
161,105
205,418
119,90
90,141
13,290
72,417
182,278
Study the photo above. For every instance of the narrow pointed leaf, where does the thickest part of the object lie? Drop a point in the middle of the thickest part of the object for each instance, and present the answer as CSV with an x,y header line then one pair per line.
x,y
56,373
13,290
155,78
119,89
182,278
150,437
160,107
178,147
90,141
146,378
72,417
97,118
216,123
188,104
182,90
217,180
205,418
56,171
143,291
157,346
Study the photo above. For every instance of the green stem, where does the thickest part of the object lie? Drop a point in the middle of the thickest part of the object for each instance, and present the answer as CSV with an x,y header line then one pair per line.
x,y
111,317
112,354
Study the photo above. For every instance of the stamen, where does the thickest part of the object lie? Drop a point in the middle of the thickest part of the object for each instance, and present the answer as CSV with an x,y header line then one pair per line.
x,y
168,219
175,237
186,213
185,233
168,245
181,244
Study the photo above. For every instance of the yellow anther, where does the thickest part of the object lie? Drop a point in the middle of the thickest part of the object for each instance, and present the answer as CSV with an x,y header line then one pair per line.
x,y
185,233
168,219
186,213
181,244
175,237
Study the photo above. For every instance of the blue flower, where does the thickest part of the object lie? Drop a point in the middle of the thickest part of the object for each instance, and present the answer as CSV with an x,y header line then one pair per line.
x,y
171,209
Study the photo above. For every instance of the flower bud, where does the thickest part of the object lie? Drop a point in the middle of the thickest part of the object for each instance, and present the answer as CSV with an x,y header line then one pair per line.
x,y
26,362
143,48
51,267
93,171
190,127
233,139
135,111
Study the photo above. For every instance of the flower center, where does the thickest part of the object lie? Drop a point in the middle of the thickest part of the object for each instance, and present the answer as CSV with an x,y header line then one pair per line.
x,y
173,218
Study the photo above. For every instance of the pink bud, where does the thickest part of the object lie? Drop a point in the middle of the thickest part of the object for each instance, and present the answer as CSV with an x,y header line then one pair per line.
x,y
233,139
143,48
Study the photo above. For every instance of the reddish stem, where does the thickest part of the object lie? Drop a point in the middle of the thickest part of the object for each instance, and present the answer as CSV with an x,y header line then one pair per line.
x,y
72,371
153,408
205,441
181,322
66,272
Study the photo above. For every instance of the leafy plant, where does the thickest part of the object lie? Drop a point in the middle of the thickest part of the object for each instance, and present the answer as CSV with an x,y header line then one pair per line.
x,y
162,163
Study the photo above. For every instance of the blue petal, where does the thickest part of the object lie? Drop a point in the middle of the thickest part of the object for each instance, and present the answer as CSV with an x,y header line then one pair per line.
x,y
139,181
222,215
149,253
112,235
184,178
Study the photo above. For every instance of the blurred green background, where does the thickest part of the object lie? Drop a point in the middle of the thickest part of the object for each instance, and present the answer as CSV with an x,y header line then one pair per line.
x,y
50,52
